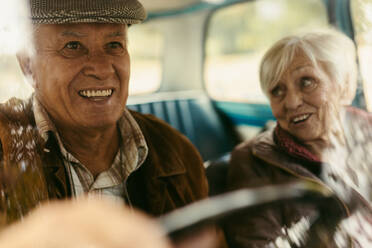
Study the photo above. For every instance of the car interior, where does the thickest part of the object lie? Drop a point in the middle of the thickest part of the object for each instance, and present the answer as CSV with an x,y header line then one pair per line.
x,y
207,54
194,64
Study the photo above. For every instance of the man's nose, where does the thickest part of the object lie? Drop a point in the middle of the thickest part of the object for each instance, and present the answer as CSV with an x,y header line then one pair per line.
x,y
98,66
293,99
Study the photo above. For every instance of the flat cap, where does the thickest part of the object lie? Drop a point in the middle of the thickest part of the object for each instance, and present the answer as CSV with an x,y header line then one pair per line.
x,y
86,11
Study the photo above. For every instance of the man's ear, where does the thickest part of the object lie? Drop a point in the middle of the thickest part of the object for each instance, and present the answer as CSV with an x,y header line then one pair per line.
x,y
24,61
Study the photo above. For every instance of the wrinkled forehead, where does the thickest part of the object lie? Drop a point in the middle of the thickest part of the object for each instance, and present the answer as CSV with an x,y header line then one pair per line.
x,y
288,61
299,60
82,28
44,32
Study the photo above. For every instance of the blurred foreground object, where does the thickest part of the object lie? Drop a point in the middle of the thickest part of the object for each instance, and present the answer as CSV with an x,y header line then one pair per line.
x,y
22,181
196,220
204,238
84,222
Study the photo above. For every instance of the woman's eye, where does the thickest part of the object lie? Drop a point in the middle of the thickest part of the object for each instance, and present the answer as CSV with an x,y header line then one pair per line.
x,y
277,92
307,83
73,49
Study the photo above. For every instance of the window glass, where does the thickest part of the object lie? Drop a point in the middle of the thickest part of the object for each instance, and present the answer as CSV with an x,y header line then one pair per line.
x,y
14,33
361,11
145,49
12,83
239,35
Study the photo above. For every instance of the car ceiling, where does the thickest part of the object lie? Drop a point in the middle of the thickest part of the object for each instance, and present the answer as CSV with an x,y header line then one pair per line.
x,y
155,6
166,5
164,8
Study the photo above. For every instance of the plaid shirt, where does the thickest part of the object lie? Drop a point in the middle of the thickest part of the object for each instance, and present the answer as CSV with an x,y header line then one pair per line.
x,y
131,154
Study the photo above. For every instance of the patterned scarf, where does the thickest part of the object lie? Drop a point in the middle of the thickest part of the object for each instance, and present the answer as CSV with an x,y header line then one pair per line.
x,y
292,146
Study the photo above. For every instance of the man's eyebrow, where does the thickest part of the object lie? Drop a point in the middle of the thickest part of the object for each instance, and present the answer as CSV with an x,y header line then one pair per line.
x,y
73,34
68,33
116,34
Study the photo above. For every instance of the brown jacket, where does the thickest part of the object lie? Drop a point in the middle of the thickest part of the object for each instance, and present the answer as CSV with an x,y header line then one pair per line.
x,y
172,175
260,162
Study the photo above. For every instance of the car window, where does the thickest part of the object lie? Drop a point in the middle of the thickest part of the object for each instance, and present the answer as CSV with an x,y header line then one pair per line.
x,y
361,11
14,33
145,47
238,36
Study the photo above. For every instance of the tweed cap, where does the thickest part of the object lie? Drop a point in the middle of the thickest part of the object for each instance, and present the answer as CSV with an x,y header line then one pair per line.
x,y
86,11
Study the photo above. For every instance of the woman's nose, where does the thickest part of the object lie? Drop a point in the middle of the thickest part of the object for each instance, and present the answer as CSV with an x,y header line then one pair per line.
x,y
293,100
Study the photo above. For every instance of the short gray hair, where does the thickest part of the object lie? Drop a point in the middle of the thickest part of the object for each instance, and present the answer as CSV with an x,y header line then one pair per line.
x,y
332,49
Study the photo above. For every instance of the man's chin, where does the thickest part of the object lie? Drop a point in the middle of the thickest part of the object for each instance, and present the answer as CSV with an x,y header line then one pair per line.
x,y
99,123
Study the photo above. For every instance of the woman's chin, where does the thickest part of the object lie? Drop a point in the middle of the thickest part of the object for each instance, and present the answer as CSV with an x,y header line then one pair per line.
x,y
306,135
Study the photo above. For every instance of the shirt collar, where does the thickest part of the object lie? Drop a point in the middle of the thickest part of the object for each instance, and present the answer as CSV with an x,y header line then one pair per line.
x,y
131,134
42,120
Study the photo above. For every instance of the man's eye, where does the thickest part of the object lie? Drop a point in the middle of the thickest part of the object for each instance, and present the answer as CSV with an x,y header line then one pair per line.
x,y
115,48
73,49
74,45
114,45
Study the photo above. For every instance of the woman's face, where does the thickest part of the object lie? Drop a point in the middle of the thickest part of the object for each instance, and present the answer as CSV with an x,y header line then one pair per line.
x,y
305,100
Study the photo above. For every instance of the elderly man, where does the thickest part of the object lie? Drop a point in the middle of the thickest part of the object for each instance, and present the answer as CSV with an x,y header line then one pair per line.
x,y
75,135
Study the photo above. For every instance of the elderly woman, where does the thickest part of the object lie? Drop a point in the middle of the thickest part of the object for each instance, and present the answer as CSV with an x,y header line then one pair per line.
x,y
309,80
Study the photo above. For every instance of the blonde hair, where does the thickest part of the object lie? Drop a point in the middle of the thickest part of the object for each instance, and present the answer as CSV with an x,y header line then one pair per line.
x,y
332,49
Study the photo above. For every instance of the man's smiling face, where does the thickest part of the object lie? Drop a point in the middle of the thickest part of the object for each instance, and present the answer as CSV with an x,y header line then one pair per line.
x,y
81,73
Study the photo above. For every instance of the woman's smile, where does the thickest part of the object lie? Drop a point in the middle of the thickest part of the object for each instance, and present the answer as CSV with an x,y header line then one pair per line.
x,y
300,100
300,118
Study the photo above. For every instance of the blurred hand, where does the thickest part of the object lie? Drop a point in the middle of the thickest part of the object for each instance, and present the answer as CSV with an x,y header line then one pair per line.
x,y
208,237
84,223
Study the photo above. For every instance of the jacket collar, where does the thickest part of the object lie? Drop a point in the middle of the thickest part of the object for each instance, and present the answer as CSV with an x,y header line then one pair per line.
x,y
265,148
161,146
57,178
133,146
357,130
292,146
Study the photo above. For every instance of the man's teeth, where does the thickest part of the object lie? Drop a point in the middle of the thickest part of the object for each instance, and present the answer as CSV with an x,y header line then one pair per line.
x,y
94,93
301,118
